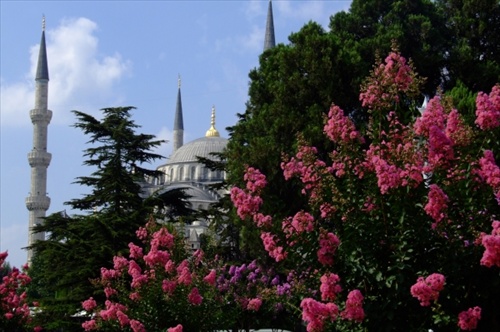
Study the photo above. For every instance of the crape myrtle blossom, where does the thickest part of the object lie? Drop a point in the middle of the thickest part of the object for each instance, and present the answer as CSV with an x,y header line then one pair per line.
x,y
316,314
488,109
491,243
427,290
490,172
339,128
388,81
354,307
14,306
467,320
437,204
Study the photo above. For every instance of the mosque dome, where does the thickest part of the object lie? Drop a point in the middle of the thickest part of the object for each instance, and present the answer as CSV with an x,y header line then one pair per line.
x,y
201,147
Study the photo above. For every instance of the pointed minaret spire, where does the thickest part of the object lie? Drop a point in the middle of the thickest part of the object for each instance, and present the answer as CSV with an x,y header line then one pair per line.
x,y
269,41
38,202
178,140
212,132
42,71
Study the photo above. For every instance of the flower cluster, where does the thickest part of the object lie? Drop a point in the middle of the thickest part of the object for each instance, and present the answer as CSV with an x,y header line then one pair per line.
x,y
14,307
491,256
427,290
388,80
467,320
339,128
488,109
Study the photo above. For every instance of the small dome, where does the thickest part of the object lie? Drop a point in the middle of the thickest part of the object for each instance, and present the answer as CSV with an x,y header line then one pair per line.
x,y
201,147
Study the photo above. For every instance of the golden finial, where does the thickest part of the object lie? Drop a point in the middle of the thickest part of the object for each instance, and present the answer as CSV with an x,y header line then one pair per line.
x,y
212,132
179,81
43,23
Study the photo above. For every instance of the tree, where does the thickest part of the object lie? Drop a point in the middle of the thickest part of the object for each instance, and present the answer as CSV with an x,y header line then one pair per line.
x,y
403,213
473,47
78,246
292,89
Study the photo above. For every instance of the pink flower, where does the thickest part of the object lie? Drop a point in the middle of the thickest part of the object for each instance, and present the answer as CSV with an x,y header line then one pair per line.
x,y
354,307
137,326
440,147
434,115
275,251
303,222
491,256
178,328
109,291
386,82
488,109
162,239
489,171
194,297
427,290
156,256
168,286
119,263
185,277
89,305
339,128
329,286
328,244
122,318
256,181
134,296
467,320
89,325
142,233
254,304
436,204
316,314
210,278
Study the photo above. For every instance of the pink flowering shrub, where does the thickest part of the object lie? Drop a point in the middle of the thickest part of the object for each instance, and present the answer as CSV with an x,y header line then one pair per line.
x,y
181,291
14,307
413,191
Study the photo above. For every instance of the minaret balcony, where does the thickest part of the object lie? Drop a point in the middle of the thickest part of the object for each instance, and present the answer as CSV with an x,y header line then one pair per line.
x,y
39,158
40,115
37,203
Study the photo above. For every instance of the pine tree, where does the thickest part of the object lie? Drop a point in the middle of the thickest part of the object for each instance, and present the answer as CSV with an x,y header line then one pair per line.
x,y
78,246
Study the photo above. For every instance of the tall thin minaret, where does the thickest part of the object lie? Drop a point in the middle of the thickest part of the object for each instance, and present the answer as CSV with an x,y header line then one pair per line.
x,y
178,139
39,159
269,41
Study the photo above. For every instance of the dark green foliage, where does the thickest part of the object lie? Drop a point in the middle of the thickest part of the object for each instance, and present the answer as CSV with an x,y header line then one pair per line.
x,y
78,246
473,47
293,87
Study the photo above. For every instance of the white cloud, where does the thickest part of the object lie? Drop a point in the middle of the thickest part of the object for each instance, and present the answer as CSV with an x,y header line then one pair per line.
x,y
80,77
164,149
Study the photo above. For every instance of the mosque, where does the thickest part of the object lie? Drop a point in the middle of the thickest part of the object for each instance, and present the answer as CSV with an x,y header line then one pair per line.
x,y
182,170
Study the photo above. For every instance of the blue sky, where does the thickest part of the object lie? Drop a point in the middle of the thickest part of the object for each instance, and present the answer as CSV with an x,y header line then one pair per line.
x,y
124,53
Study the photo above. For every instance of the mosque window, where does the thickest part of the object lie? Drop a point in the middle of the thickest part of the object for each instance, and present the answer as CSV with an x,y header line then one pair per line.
x,y
181,173
193,172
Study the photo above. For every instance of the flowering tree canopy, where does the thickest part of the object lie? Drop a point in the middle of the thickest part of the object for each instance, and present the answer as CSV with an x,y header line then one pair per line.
x,y
402,216
405,207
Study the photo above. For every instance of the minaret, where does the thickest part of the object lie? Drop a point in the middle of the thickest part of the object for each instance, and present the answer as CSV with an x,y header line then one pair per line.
x,y
39,159
178,140
212,132
269,39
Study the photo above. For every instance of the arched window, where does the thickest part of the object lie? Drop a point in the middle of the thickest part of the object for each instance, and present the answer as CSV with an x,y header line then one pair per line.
x,y
193,173
181,173
205,173
171,175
